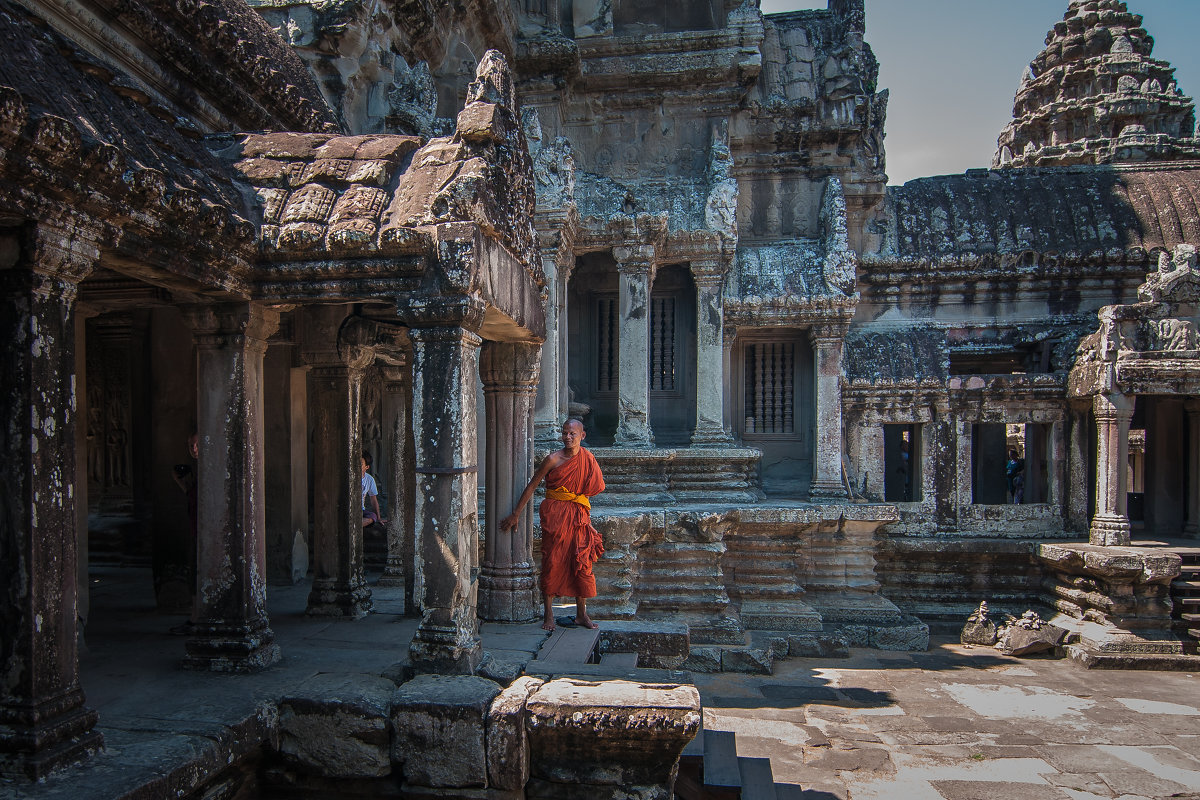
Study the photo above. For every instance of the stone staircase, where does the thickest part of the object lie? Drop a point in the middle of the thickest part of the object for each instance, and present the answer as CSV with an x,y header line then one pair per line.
x,y
711,769
1185,594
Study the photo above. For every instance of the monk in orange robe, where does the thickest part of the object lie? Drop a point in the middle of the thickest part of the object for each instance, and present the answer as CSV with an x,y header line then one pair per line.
x,y
570,545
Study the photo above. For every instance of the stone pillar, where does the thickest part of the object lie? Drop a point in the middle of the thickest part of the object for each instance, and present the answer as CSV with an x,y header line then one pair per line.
x,y
398,444
232,630
1056,448
1077,467
445,369
827,356
83,595
287,466
335,381
636,268
1191,526
727,346
1110,525
550,409
43,720
711,428
507,589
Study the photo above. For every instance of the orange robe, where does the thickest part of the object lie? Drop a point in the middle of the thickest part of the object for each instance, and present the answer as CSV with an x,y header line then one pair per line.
x,y
570,545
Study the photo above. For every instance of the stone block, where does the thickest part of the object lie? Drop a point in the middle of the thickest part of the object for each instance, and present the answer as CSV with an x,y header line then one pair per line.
x,y
818,646
855,635
982,633
621,735
501,668
703,659
1017,641
750,660
507,741
337,726
914,635
658,643
440,726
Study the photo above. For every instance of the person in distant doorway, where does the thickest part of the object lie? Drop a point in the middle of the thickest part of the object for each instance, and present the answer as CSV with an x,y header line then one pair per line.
x,y
1014,476
370,493
184,476
570,544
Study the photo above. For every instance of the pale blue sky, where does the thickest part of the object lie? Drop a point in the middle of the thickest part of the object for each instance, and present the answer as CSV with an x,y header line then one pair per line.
x,y
953,67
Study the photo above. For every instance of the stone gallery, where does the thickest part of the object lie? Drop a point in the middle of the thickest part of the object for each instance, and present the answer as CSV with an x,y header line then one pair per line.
x,y
242,244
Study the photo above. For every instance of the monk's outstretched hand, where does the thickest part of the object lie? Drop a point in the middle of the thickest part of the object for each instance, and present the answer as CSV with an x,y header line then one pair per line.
x,y
508,523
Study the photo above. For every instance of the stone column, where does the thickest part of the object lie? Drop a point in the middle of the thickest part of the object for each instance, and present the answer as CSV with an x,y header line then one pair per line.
x,y
550,409
709,277
636,268
445,369
1191,525
1110,525
83,595
287,466
827,355
43,720
398,443
1077,467
507,589
232,630
335,382
1056,448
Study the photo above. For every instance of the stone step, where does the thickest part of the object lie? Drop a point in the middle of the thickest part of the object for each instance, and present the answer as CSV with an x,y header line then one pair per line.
x,y
1190,617
1183,585
624,660
590,672
721,760
569,645
757,781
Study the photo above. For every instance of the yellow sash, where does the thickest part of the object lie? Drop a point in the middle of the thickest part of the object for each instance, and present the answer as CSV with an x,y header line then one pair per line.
x,y
562,493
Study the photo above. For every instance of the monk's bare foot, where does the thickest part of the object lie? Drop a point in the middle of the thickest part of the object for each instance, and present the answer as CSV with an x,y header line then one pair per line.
x,y
584,621
548,624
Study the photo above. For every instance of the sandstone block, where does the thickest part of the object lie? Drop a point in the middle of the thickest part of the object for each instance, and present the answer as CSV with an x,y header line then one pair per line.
x,y
703,659
983,633
750,660
440,730
615,734
911,636
818,646
507,741
337,726
659,644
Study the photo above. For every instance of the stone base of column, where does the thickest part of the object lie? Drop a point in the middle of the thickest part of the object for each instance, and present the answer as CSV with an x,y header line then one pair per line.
x,y
508,595
37,738
629,436
393,573
444,649
1110,531
224,647
711,437
330,598
827,490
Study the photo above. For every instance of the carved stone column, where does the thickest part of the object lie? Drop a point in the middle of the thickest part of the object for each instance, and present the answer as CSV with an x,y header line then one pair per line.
x,y
1191,526
636,268
551,405
827,352
83,594
709,277
232,630
43,720
1077,467
335,381
286,390
398,443
507,589
445,369
1110,525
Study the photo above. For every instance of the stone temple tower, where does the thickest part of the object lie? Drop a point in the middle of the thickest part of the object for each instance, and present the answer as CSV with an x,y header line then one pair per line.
x,y
1096,96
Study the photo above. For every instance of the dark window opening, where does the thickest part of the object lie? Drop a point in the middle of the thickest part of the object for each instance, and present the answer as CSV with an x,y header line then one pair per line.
x,y
1009,463
902,463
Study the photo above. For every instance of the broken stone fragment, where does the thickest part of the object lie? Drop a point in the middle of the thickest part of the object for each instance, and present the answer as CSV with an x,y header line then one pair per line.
x,y
1017,641
507,741
982,633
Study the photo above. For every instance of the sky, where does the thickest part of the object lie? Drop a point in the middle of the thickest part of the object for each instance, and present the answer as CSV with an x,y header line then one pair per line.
x,y
953,67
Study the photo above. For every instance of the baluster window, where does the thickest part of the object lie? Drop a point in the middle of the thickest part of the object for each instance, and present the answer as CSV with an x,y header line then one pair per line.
x,y
607,349
662,344
770,388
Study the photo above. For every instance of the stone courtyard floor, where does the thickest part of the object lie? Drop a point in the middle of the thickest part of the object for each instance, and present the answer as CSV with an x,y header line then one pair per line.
x,y
954,723
964,723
